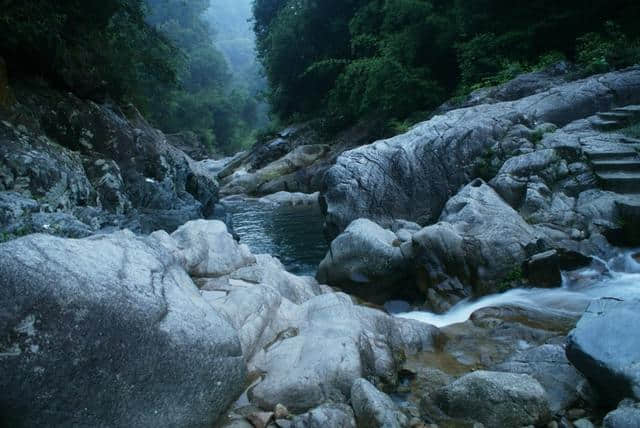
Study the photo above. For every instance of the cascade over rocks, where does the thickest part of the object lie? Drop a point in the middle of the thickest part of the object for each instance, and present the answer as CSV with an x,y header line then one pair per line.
x,y
504,196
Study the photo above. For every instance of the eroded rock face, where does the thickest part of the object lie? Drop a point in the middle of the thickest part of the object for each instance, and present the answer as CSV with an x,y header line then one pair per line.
x,y
411,176
604,346
496,399
70,154
109,330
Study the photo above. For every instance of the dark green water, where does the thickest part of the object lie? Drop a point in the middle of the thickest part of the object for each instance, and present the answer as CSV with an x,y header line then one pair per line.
x,y
292,234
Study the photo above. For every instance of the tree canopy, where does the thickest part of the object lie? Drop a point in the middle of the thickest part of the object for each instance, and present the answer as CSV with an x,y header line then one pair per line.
x,y
158,54
386,59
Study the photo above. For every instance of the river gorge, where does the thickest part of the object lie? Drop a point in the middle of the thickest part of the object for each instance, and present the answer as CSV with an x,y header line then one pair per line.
x,y
476,270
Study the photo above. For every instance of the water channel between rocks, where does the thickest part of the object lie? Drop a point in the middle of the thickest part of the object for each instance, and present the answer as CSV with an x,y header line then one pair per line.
x,y
294,235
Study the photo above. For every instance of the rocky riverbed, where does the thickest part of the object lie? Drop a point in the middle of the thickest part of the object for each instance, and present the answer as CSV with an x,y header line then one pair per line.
x,y
474,276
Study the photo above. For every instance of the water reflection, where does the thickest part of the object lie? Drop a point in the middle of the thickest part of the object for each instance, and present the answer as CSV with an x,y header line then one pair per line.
x,y
292,234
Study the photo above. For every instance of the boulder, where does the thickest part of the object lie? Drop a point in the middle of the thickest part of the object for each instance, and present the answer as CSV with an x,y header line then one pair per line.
x,y
496,399
291,199
544,269
210,250
604,346
479,240
109,331
333,343
412,175
548,364
374,408
248,182
627,415
368,261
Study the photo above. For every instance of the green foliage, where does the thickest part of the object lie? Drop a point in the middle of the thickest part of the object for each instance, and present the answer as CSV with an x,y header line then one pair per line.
x,y
158,54
383,59
602,52
207,101
90,48
514,277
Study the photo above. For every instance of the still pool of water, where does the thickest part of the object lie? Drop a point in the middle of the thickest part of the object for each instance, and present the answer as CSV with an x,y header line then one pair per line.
x,y
292,234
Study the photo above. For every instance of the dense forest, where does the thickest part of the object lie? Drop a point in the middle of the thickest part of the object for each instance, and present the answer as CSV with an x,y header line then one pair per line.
x,y
192,66
388,59
158,54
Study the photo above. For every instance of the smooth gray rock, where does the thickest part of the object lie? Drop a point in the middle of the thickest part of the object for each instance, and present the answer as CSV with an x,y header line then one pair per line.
x,y
366,260
109,331
496,399
210,250
627,415
479,240
548,364
334,342
373,408
411,176
604,346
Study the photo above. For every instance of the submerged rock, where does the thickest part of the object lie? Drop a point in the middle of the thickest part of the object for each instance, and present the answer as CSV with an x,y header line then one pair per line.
x,y
548,364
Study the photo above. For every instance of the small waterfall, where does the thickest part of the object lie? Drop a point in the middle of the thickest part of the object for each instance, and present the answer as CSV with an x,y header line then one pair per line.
x,y
619,277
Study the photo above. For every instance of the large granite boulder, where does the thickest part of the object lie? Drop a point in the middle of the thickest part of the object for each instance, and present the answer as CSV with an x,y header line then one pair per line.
x,y
479,240
411,176
605,347
109,331
496,399
368,261
329,343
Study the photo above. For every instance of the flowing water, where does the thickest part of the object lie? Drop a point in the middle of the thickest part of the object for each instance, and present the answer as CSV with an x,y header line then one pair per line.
x,y
292,234
618,278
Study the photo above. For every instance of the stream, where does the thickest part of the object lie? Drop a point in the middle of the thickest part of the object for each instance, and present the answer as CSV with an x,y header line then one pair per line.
x,y
294,235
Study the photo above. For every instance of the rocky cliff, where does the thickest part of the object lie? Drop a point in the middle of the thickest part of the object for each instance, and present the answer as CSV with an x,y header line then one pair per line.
x,y
501,191
74,167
